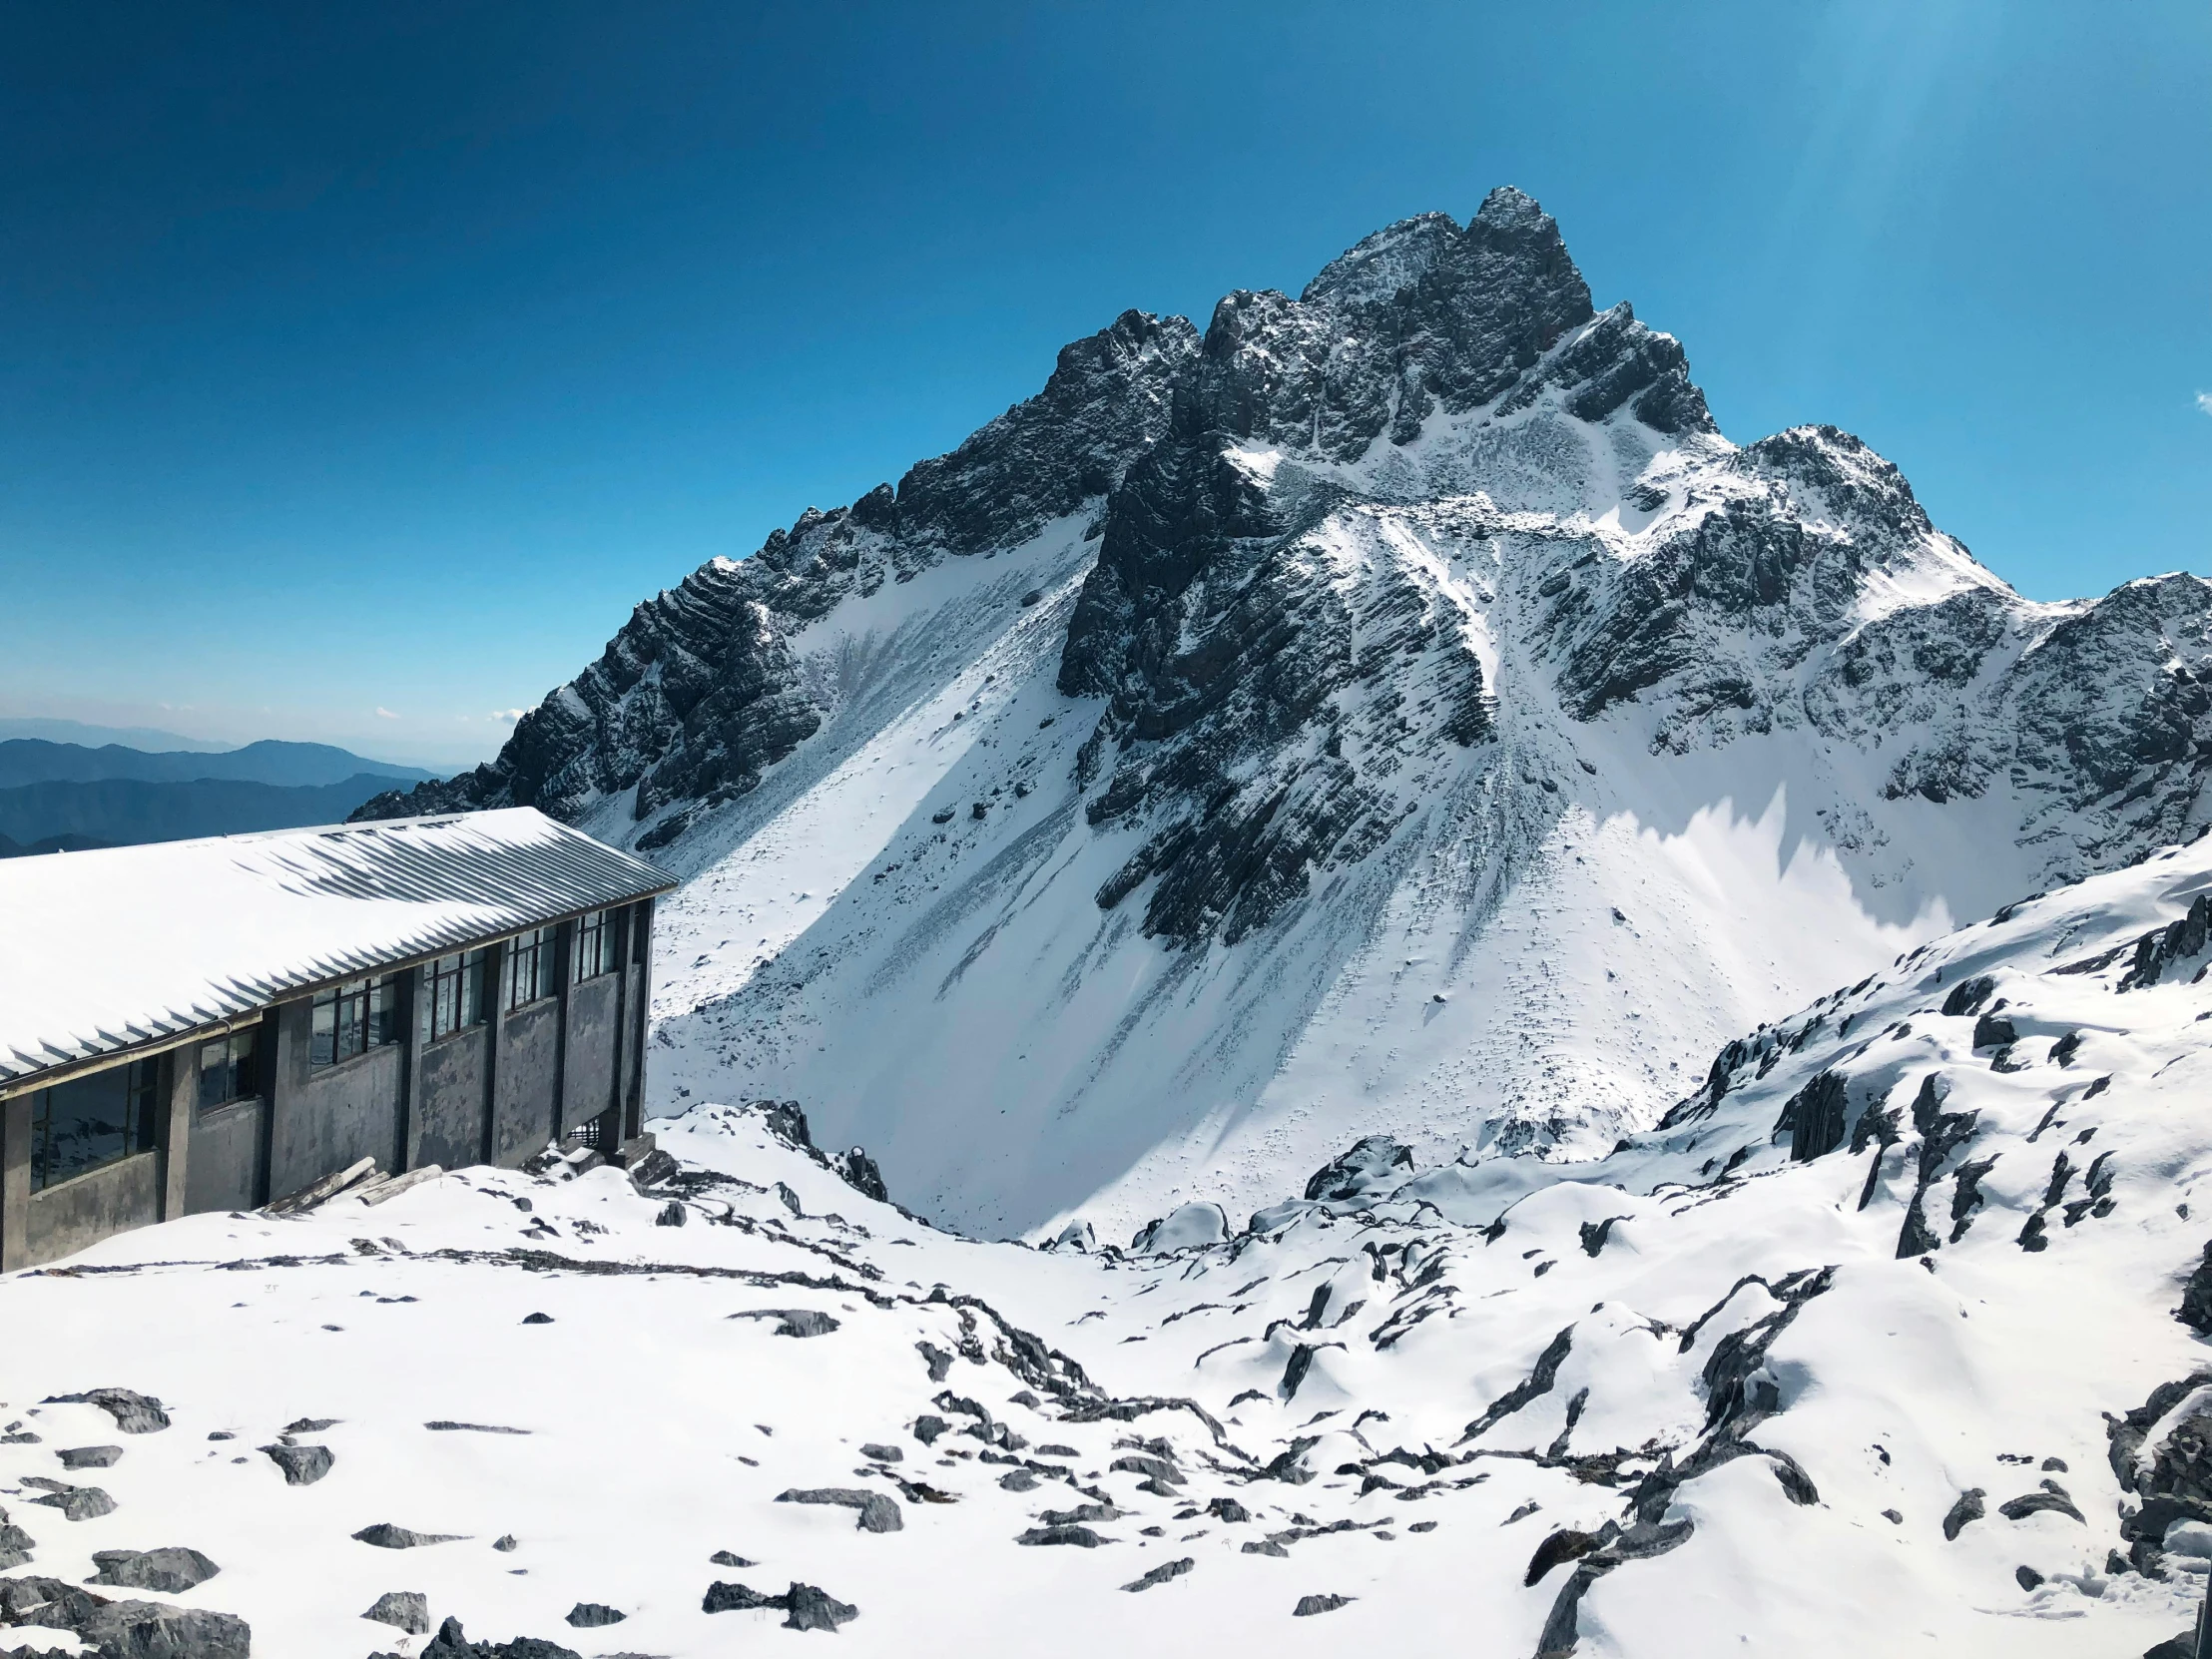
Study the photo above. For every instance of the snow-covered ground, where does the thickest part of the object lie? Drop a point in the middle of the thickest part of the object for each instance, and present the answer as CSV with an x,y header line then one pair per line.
x,y
1839,1359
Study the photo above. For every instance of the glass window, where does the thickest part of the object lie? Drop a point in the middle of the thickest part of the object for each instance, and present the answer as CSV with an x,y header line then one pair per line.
x,y
353,1018
88,1122
454,987
529,967
229,1069
591,945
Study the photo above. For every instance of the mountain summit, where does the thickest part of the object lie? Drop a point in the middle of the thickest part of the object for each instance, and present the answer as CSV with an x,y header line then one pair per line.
x,y
1396,710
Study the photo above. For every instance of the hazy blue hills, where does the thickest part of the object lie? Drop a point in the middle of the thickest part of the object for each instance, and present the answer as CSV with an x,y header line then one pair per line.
x,y
289,764
66,797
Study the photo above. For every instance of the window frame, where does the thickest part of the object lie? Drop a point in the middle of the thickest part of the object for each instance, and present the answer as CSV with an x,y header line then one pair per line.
x,y
529,955
454,993
243,1070
141,1118
363,1016
588,948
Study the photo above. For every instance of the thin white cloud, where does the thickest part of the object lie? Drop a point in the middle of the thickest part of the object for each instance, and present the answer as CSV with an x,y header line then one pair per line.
x,y
2204,401
508,717
385,714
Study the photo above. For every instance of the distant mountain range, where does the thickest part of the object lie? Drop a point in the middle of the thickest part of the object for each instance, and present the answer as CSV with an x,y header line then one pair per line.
x,y
65,796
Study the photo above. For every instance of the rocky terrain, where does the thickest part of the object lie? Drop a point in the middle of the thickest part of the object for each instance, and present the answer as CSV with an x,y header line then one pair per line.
x,y
1396,709
1889,1337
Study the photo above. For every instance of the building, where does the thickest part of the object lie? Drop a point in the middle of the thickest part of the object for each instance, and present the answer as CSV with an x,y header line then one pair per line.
x,y
214,1025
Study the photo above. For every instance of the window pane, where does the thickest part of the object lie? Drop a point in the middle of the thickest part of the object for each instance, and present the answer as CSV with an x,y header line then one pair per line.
x,y
215,1075
87,1123
246,1070
384,1010
471,1007
143,1117
321,1046
444,993
350,1010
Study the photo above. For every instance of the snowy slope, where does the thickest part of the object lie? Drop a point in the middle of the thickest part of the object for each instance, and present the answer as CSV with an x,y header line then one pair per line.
x,y
1871,1346
1397,709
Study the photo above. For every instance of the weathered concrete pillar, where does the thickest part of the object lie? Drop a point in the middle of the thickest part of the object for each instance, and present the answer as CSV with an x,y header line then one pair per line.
x,y
495,1046
183,1069
15,1182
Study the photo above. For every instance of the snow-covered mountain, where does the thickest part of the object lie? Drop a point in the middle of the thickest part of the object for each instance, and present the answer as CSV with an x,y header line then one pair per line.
x,y
1398,710
1890,1338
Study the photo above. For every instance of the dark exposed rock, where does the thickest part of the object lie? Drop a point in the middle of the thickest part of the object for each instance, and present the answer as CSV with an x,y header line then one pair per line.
x,y
310,1426
1967,1509
452,1643
133,1414
408,1610
1969,995
877,1512
729,1559
304,1466
1942,1133
736,1598
2027,1577
384,1536
15,1545
814,1609
1161,1575
1080,1537
77,1503
537,1318
1994,1031
883,1453
927,1427
1566,1544
1374,1167
1266,1546
1539,1381
1815,1115
671,1214
2196,1296
793,1322
150,1630
861,1174
89,1456
2161,948
593,1615
171,1570
1308,1606
2035,1503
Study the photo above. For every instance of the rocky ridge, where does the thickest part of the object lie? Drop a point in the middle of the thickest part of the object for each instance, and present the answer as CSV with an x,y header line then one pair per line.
x,y
1358,631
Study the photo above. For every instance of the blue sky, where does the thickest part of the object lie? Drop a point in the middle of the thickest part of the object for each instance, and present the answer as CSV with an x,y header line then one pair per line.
x,y
361,366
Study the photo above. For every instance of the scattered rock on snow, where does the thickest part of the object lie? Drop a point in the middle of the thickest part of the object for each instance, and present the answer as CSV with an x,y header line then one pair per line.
x,y
408,1610
877,1512
384,1536
89,1456
133,1414
1080,1537
881,1454
791,1322
1161,1575
77,1503
1967,1508
171,1570
593,1615
1308,1606
304,1466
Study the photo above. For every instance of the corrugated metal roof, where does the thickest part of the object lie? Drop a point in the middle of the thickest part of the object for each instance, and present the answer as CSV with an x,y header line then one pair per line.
x,y
108,950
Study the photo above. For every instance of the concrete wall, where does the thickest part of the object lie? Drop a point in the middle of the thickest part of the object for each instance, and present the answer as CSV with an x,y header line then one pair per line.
x,y
224,1166
448,1120
330,1117
594,1037
65,1219
529,1076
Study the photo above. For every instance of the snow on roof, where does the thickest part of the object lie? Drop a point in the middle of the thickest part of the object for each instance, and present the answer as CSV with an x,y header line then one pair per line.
x,y
106,950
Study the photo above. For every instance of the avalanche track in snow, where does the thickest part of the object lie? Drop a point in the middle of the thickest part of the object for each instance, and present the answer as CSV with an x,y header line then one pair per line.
x,y
1887,1339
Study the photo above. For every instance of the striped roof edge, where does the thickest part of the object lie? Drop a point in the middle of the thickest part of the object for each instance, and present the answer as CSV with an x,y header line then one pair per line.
x,y
111,950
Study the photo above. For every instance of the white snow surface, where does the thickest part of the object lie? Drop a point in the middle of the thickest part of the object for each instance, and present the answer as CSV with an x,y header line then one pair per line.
x,y
944,989
1337,1358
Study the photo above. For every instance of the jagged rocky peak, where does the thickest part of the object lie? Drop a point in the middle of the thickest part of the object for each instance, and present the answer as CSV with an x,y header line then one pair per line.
x,y
1427,316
